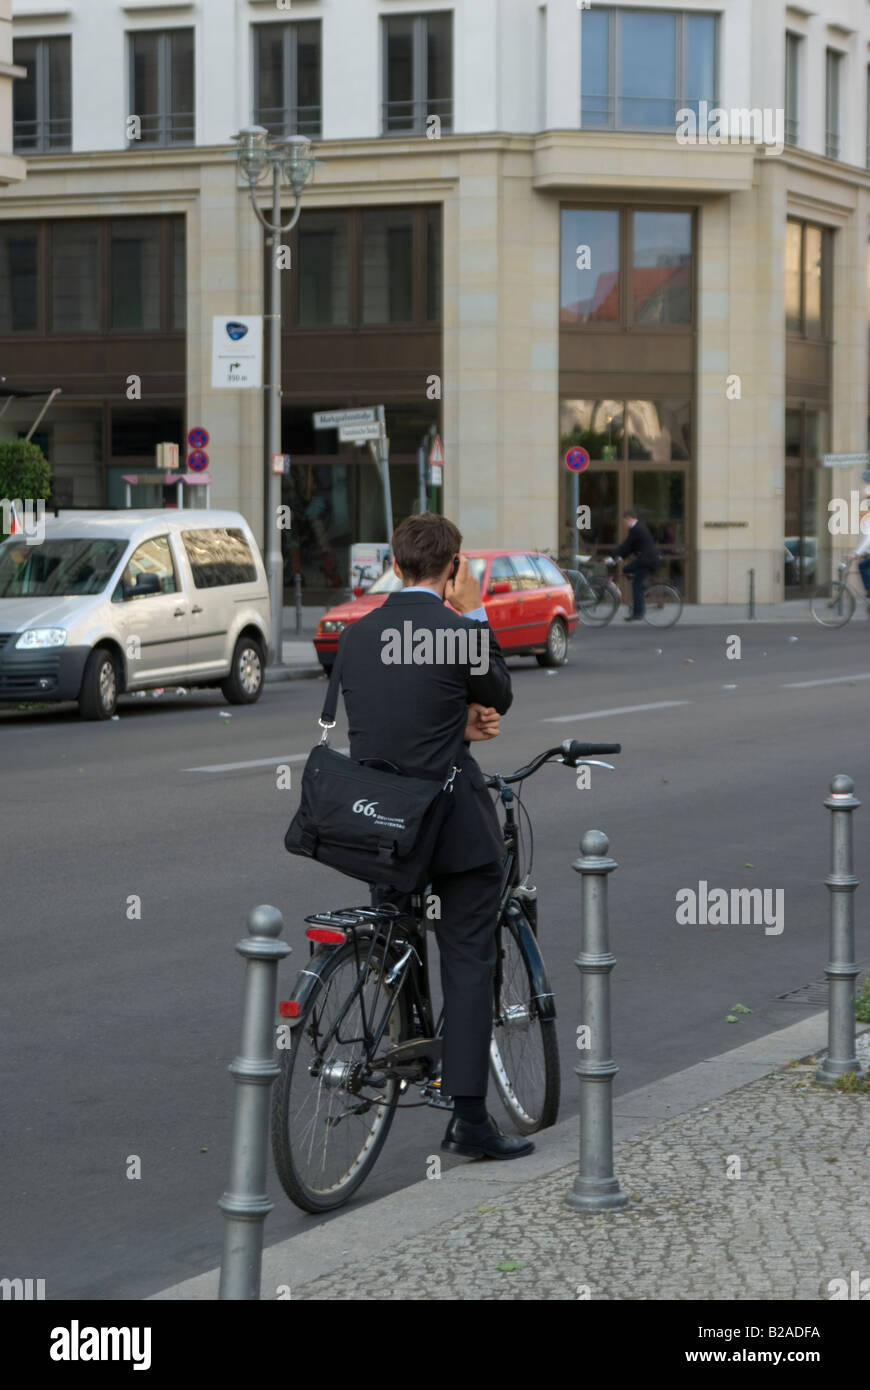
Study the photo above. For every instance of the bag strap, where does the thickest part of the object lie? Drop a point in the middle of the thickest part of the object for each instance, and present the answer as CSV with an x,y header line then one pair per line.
x,y
330,701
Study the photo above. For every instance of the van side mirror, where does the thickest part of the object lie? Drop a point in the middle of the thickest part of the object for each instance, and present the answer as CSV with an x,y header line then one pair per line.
x,y
145,584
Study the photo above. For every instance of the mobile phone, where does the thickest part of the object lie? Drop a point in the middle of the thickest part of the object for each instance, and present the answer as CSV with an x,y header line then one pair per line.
x,y
457,559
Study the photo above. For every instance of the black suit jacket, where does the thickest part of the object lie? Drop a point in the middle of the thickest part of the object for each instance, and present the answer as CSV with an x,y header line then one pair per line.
x,y
413,716
640,545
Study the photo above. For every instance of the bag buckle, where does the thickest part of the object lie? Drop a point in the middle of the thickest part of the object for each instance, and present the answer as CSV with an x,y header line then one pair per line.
x,y
448,785
326,728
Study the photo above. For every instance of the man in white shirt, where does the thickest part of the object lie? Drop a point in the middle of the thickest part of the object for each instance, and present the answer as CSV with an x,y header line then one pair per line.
x,y
862,554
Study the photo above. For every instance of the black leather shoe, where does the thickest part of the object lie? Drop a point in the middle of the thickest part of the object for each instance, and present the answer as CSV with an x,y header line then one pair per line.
x,y
633,618
483,1141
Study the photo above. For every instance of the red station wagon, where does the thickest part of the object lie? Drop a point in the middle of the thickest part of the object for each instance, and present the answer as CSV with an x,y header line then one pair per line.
x,y
528,601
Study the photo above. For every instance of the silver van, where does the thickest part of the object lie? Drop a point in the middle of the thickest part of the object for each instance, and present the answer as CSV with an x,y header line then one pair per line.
x,y
109,602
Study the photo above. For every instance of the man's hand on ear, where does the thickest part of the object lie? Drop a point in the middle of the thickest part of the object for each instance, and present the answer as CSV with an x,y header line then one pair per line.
x,y
482,723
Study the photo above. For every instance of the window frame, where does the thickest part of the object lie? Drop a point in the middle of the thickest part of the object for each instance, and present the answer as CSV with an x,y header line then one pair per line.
x,y
419,274
625,320
826,314
164,86
44,144
420,98
681,100
792,92
289,30
45,274
833,102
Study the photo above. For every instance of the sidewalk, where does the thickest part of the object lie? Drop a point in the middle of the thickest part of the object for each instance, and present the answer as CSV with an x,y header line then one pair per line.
x,y
796,1218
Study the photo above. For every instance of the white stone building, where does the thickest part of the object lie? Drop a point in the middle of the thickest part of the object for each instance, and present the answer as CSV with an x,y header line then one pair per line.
x,y
509,238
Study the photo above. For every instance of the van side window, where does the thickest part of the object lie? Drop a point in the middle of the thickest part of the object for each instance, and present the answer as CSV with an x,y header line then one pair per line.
x,y
151,557
218,556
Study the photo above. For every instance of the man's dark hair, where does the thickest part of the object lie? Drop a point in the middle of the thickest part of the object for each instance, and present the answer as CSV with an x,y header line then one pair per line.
x,y
423,546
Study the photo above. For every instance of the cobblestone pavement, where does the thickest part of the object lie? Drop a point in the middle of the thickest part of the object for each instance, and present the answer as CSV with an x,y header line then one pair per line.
x,y
797,1217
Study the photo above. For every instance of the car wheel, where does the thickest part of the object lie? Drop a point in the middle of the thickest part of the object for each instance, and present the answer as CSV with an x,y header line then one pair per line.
x,y
98,697
557,645
244,684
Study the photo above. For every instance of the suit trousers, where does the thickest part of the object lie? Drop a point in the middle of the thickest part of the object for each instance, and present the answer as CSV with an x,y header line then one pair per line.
x,y
465,932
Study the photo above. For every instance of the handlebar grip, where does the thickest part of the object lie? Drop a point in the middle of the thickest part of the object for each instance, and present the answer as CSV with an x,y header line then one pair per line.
x,y
572,750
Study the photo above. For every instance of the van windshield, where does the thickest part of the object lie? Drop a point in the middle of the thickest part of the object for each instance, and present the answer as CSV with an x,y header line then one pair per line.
x,y
55,568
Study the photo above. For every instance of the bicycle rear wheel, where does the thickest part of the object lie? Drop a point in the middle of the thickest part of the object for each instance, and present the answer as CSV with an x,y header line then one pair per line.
x,y
832,604
662,605
524,1051
594,600
328,1126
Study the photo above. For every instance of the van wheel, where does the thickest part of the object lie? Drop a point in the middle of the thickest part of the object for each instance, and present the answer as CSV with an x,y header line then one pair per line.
x,y
98,697
244,684
557,645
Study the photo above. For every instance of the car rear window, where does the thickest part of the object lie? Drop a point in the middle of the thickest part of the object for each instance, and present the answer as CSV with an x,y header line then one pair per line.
x,y
219,556
550,574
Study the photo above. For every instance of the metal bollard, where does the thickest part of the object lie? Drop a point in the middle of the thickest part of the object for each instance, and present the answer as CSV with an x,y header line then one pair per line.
x,y
595,1187
841,969
297,585
752,593
245,1204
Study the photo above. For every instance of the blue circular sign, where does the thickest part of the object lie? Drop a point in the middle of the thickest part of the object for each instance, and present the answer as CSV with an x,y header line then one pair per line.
x,y
577,459
198,438
197,461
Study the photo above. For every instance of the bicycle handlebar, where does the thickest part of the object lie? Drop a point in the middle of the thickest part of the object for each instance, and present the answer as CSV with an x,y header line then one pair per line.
x,y
569,751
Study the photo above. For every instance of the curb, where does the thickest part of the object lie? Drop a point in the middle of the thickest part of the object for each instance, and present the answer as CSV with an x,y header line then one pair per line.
x,y
373,1228
292,673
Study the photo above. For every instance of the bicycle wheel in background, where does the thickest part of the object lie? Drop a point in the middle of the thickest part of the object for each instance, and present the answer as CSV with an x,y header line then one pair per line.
x,y
595,602
328,1127
523,1051
832,604
663,605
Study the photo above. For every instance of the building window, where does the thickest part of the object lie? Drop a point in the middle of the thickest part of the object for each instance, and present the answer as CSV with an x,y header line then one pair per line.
x,y
161,86
72,276
42,119
19,247
135,272
287,80
75,277
627,267
807,276
639,68
418,74
387,266
833,64
365,267
792,88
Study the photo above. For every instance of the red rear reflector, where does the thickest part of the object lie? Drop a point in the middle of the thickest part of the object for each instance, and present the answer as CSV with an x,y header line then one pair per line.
x,y
288,1008
330,934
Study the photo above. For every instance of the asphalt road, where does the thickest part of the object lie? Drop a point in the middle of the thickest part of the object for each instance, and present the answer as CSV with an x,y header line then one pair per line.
x,y
118,1031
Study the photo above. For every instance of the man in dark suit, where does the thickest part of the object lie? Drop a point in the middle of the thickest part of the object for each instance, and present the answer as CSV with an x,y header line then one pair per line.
x,y
644,558
414,712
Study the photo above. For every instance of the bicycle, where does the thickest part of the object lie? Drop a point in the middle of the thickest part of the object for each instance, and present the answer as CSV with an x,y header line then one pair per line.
x,y
833,604
362,1026
598,600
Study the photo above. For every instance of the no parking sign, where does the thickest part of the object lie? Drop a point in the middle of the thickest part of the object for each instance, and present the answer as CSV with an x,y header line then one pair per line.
x,y
576,459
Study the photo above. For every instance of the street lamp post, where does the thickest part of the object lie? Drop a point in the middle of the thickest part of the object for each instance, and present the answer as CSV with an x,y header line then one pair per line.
x,y
291,157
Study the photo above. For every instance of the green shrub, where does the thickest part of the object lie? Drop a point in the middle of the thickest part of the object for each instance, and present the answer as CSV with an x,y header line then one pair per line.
x,y
24,472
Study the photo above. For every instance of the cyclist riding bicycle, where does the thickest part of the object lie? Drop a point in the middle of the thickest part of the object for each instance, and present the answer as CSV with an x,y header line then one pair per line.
x,y
419,715
862,554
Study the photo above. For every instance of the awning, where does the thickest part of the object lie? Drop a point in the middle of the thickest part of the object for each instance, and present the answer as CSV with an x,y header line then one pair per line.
x,y
8,394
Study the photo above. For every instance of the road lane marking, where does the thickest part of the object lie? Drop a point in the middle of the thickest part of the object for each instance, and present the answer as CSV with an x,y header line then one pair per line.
x,y
617,709
831,680
256,762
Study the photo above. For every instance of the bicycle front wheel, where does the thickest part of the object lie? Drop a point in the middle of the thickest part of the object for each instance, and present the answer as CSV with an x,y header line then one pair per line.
x,y
832,604
663,605
524,1051
328,1126
598,604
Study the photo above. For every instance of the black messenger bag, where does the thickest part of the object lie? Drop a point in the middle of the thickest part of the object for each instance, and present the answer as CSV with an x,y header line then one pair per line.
x,y
371,824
